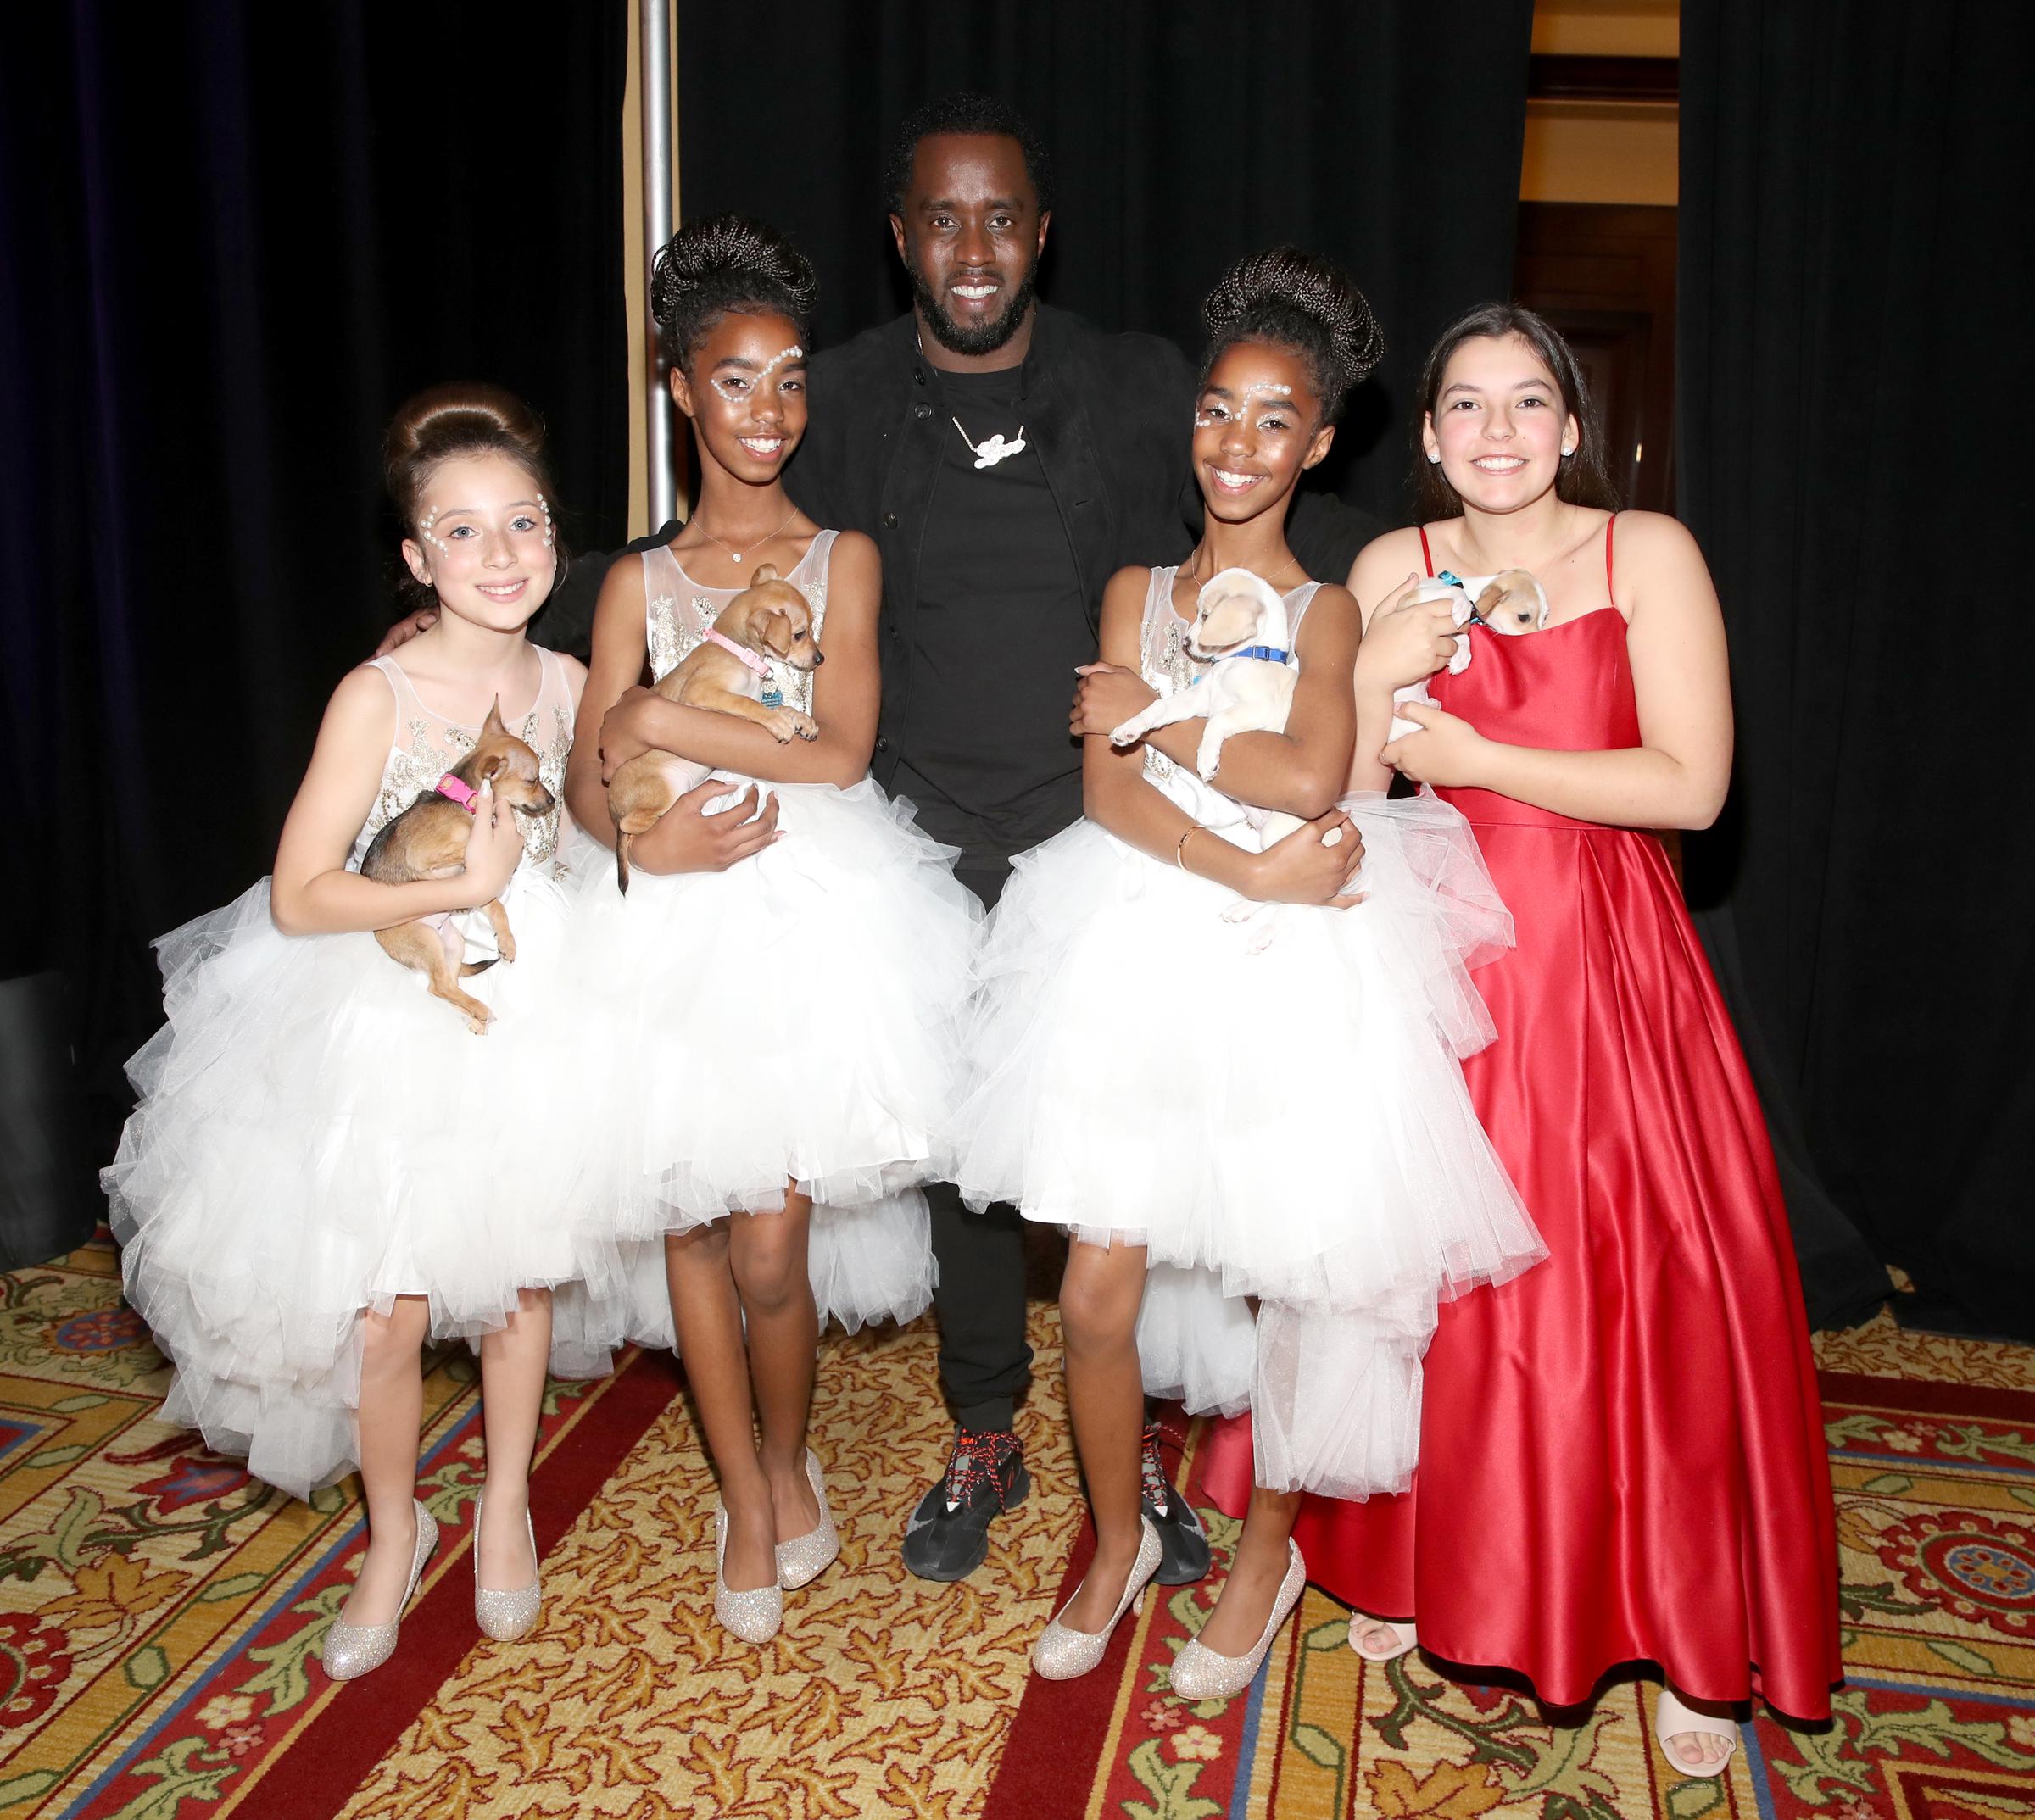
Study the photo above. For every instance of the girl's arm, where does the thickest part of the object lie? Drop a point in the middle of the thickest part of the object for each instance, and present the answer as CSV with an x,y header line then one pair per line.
x,y
1677,776
1302,771
685,838
312,891
1301,869
1405,642
845,692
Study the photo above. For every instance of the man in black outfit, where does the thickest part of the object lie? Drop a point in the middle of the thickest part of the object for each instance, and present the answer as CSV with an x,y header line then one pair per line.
x,y
1008,458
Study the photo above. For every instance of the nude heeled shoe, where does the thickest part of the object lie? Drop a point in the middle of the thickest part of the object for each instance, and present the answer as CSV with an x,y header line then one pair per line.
x,y
1199,1673
1405,1638
506,1616
1063,1655
351,1650
1673,1718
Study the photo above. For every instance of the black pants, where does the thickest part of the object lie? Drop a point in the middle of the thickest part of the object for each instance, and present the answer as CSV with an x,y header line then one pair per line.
x,y
984,1359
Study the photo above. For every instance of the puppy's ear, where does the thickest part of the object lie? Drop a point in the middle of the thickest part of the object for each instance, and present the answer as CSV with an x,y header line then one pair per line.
x,y
492,726
771,631
765,572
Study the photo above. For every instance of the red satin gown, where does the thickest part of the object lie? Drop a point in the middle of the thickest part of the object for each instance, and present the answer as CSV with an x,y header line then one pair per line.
x,y
1622,1452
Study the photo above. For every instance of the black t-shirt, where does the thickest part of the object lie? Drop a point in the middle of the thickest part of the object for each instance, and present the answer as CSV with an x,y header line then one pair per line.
x,y
1000,625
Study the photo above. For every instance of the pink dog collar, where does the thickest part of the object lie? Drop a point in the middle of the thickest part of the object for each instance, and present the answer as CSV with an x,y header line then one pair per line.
x,y
464,794
749,660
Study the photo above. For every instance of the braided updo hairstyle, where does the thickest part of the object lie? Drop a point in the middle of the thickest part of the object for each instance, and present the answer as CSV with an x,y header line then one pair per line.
x,y
449,421
1294,300
724,264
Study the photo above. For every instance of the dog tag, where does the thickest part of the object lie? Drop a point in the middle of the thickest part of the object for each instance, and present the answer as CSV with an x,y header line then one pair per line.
x,y
772,698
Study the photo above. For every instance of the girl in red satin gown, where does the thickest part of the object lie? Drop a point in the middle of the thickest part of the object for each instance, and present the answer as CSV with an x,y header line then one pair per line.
x,y
1622,1454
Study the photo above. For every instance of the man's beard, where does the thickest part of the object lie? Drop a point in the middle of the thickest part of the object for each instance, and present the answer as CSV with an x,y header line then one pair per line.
x,y
985,338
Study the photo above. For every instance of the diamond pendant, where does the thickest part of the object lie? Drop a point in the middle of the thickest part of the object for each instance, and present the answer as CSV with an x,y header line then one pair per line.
x,y
735,556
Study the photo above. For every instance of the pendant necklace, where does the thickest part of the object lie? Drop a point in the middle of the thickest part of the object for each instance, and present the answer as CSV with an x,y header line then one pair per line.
x,y
989,452
736,555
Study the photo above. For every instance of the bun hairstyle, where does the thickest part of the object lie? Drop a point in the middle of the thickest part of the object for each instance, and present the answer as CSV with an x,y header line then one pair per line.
x,y
1294,300
460,420
726,264
1582,479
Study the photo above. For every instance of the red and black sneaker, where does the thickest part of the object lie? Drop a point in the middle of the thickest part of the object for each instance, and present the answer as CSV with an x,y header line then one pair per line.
x,y
1182,1542
949,1533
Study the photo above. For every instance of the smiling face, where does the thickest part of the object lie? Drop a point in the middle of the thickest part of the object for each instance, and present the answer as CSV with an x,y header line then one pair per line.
x,y
1499,424
1254,430
484,541
970,236
745,392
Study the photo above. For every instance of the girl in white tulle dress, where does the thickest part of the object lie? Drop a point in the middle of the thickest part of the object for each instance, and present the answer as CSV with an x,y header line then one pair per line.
x,y
769,1019
323,1167
1256,1130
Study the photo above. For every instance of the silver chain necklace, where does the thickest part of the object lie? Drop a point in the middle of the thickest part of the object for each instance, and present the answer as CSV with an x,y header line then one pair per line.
x,y
734,554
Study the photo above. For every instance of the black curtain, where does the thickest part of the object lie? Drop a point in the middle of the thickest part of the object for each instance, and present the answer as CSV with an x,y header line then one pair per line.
x,y
1854,369
1386,136
232,238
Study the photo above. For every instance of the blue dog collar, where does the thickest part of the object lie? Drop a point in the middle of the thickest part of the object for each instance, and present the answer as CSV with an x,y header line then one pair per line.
x,y
1265,653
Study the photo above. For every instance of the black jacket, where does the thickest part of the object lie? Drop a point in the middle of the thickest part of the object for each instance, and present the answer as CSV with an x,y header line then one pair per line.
x,y
1109,415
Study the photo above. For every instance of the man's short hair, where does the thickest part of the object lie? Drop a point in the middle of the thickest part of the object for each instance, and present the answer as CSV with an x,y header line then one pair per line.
x,y
967,111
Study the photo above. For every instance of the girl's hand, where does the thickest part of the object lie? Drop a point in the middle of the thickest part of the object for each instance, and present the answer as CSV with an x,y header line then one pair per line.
x,y
1106,696
621,731
495,848
1408,640
1315,863
1448,751
686,838
405,629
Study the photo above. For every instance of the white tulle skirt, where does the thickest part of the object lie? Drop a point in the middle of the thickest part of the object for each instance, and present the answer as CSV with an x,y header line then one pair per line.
x,y
795,1019
1287,1127
315,1136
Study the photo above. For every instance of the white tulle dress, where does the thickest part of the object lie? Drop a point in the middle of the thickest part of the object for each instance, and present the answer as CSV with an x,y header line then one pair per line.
x,y
795,1018
316,1135
1288,1126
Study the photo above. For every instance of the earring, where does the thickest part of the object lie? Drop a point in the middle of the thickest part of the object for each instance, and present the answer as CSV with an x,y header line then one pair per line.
x,y
1568,449
1435,460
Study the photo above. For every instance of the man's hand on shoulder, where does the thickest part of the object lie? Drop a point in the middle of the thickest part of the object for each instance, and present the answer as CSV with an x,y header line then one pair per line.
x,y
405,629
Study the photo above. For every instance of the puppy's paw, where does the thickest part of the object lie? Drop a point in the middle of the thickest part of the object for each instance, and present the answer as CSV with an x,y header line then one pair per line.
x,y
1128,734
1208,759
785,724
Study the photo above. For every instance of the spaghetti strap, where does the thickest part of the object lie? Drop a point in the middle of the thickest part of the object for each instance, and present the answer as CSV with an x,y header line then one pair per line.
x,y
1427,555
1610,585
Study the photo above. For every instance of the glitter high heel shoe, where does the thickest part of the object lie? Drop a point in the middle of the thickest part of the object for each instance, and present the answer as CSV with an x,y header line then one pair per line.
x,y
351,1650
505,1616
1199,1673
1061,1654
804,1559
755,1616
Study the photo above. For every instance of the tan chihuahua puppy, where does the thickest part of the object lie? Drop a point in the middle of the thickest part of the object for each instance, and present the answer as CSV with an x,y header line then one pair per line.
x,y
428,840
769,622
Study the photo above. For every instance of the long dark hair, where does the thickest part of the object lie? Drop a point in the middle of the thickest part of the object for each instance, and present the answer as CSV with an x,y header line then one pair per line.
x,y
1582,479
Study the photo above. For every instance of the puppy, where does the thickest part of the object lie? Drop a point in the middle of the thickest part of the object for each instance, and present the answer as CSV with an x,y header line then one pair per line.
x,y
1512,602
1240,627
428,840
769,622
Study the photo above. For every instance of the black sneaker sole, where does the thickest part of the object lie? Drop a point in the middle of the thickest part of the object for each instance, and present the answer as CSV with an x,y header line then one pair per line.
x,y
1176,1569
1021,1488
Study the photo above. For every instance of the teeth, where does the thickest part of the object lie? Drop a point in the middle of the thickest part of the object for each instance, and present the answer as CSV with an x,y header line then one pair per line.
x,y
1499,461
974,292
1235,480
761,445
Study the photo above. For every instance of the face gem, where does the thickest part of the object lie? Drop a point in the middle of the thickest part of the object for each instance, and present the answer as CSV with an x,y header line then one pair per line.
x,y
733,391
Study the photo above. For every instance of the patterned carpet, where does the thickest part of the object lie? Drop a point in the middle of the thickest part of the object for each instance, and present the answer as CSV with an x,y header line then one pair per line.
x,y
160,1615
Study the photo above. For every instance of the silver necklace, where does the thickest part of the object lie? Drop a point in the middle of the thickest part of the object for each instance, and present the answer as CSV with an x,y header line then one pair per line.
x,y
989,453
734,554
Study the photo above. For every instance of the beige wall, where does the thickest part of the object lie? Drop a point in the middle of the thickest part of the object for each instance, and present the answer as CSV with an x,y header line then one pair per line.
x,y
642,330
1603,152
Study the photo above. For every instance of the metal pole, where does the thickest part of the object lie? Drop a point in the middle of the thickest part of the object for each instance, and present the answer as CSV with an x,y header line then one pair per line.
x,y
654,83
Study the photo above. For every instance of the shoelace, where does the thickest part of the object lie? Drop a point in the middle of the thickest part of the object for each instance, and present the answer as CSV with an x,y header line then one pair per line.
x,y
1158,1489
978,1453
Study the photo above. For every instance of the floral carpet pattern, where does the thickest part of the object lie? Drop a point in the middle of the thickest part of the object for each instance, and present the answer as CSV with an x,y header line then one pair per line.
x,y
160,1615
1932,1451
